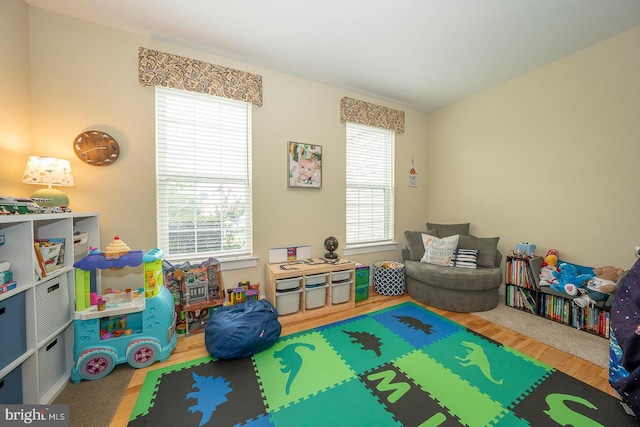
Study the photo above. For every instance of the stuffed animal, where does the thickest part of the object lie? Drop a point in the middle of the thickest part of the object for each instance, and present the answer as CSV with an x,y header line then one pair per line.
x,y
549,265
608,272
599,288
569,281
551,260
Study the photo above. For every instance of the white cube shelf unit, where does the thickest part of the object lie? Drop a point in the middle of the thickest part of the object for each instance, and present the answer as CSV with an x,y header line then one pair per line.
x,y
37,349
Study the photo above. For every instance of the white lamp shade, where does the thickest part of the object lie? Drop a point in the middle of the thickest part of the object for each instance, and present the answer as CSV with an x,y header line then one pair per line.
x,y
48,171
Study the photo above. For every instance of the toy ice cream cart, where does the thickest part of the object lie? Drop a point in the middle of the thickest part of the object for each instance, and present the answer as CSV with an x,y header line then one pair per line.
x,y
129,326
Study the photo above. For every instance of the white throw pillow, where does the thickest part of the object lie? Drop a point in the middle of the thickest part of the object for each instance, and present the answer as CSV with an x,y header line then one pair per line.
x,y
439,251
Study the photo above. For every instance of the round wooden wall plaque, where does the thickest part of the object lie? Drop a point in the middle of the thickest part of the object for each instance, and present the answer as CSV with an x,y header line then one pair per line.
x,y
96,148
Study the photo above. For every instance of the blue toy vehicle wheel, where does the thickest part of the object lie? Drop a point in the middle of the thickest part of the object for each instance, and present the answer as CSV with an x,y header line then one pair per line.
x,y
96,364
143,353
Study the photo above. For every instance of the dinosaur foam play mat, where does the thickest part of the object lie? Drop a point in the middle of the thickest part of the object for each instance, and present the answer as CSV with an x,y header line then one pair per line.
x,y
403,365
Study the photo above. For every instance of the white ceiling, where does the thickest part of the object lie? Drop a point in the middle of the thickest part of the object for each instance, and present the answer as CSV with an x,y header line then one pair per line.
x,y
424,54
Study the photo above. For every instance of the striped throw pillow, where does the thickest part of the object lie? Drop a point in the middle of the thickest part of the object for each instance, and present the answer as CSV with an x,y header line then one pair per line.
x,y
466,258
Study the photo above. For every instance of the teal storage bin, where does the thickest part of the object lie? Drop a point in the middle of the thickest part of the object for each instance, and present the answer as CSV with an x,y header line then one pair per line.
x,y
362,292
362,275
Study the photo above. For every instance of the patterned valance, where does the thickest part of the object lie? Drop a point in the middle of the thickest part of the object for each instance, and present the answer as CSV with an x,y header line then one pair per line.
x,y
365,113
177,72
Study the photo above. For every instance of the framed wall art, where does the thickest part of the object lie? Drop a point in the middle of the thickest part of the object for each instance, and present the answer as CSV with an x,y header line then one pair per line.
x,y
304,165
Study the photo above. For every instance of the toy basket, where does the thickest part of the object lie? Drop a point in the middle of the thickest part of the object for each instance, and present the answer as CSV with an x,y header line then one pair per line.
x,y
388,278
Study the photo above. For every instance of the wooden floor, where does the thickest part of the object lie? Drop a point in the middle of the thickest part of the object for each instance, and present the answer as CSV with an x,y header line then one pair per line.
x,y
190,348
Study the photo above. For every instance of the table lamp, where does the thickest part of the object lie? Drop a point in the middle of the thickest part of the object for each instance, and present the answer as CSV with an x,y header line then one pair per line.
x,y
48,171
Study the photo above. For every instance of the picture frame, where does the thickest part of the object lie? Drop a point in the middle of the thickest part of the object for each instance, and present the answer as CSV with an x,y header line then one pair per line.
x,y
304,166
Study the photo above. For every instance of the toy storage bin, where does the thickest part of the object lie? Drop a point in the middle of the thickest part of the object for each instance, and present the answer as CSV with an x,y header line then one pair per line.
x,y
288,301
80,245
362,292
362,275
316,279
52,363
340,292
338,276
388,280
315,296
11,387
287,284
13,335
52,306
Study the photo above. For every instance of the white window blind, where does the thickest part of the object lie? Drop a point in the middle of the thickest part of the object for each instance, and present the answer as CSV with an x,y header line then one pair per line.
x,y
203,175
369,184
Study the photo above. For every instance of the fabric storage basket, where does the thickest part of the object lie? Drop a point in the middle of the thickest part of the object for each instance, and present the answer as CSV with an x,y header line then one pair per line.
x,y
362,275
13,335
388,278
52,306
11,387
51,359
362,293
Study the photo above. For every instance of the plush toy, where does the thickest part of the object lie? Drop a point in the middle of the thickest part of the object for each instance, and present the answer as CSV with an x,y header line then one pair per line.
x,y
599,288
549,265
608,272
569,281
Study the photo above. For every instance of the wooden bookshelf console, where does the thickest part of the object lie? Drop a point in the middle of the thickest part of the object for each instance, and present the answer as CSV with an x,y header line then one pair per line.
x,y
522,291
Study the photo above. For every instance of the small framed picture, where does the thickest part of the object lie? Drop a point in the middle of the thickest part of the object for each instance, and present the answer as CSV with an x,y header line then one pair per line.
x,y
305,165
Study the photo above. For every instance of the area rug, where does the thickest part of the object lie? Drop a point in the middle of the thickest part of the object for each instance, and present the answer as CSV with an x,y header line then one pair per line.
x,y
403,365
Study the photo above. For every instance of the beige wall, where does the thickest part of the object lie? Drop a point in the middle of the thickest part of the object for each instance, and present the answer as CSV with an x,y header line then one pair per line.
x,y
15,114
550,157
84,76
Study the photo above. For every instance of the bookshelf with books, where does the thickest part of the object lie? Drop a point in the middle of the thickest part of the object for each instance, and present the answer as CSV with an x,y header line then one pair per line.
x,y
523,292
36,313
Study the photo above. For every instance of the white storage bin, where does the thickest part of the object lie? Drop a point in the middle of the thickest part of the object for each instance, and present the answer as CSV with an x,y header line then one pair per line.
x,y
338,276
52,306
315,296
340,292
51,362
288,302
286,284
316,279
80,245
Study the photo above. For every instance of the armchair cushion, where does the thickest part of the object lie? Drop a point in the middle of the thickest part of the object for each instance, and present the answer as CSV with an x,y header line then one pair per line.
x,y
446,230
439,251
486,246
415,244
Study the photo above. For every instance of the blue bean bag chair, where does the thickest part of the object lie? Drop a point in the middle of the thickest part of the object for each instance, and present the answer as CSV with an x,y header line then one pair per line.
x,y
242,329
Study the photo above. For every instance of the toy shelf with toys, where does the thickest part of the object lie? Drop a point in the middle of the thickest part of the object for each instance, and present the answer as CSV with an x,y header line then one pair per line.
x,y
528,289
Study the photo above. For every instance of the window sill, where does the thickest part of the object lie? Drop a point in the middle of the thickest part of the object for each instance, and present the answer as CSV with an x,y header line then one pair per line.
x,y
370,248
229,263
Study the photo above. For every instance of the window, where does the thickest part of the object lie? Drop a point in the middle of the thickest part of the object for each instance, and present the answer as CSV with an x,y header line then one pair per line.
x,y
203,175
369,184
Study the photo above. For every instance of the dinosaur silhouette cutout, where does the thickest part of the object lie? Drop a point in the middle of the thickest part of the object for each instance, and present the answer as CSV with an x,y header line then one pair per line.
x,y
416,324
366,340
476,357
291,361
211,393
564,416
